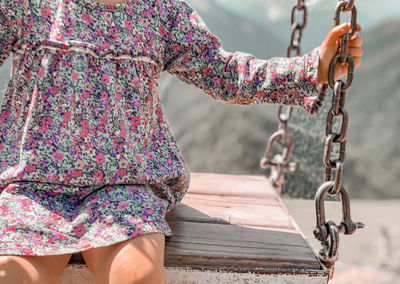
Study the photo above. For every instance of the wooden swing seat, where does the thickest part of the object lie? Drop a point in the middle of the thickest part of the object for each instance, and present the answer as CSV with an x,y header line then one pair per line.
x,y
230,229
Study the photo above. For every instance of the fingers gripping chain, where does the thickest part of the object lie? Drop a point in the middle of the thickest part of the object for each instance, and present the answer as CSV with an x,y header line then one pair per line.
x,y
280,162
327,232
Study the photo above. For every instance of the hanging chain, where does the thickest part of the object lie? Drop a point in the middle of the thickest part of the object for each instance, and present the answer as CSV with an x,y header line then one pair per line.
x,y
280,162
327,232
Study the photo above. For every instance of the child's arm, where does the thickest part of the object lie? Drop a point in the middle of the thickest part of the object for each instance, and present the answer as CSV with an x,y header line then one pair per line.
x,y
197,57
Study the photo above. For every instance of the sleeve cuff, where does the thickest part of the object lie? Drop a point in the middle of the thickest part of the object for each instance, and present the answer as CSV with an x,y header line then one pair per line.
x,y
312,94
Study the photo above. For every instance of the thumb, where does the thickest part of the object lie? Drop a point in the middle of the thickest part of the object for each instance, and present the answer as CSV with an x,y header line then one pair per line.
x,y
336,32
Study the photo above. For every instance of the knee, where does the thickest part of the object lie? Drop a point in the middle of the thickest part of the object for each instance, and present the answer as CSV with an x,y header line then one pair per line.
x,y
151,277
146,274
11,271
136,261
25,270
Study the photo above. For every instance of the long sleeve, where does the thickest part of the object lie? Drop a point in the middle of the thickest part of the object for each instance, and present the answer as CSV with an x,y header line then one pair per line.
x,y
8,34
196,56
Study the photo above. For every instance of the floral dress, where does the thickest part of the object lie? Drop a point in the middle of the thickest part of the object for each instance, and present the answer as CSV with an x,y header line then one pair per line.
x,y
87,158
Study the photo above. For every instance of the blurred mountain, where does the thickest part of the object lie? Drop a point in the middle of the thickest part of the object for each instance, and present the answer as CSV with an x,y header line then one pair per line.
x,y
372,164
229,27
374,105
231,139
274,15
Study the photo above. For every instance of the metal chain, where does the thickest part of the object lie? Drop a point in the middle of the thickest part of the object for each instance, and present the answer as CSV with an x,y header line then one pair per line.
x,y
327,232
280,162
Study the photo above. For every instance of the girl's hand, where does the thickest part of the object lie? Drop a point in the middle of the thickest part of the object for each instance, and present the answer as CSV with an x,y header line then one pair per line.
x,y
330,47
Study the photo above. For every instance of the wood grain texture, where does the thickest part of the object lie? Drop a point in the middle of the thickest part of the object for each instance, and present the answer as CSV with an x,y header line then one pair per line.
x,y
231,185
236,222
241,200
244,211
228,245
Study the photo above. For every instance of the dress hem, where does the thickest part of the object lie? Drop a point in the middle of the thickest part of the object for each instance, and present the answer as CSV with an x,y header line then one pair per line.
x,y
75,251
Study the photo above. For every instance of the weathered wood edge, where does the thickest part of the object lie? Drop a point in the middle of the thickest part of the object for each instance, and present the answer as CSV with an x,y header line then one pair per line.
x,y
297,227
258,270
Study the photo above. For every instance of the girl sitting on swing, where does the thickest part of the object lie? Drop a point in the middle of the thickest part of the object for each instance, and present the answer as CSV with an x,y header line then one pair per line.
x,y
87,160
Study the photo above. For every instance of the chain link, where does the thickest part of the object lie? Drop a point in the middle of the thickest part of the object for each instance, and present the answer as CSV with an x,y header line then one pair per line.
x,y
327,232
280,162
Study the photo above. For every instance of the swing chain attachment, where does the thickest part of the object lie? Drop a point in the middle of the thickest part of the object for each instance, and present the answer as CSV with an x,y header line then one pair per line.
x,y
327,232
280,162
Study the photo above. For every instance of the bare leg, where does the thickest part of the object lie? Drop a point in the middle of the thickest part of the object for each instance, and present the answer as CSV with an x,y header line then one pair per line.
x,y
139,260
32,269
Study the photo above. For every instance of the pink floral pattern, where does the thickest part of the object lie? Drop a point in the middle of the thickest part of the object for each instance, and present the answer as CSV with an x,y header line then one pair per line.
x,y
87,158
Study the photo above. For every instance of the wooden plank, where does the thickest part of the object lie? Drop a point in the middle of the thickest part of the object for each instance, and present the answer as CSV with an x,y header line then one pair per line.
x,y
204,198
231,185
272,217
236,222
235,246
242,200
